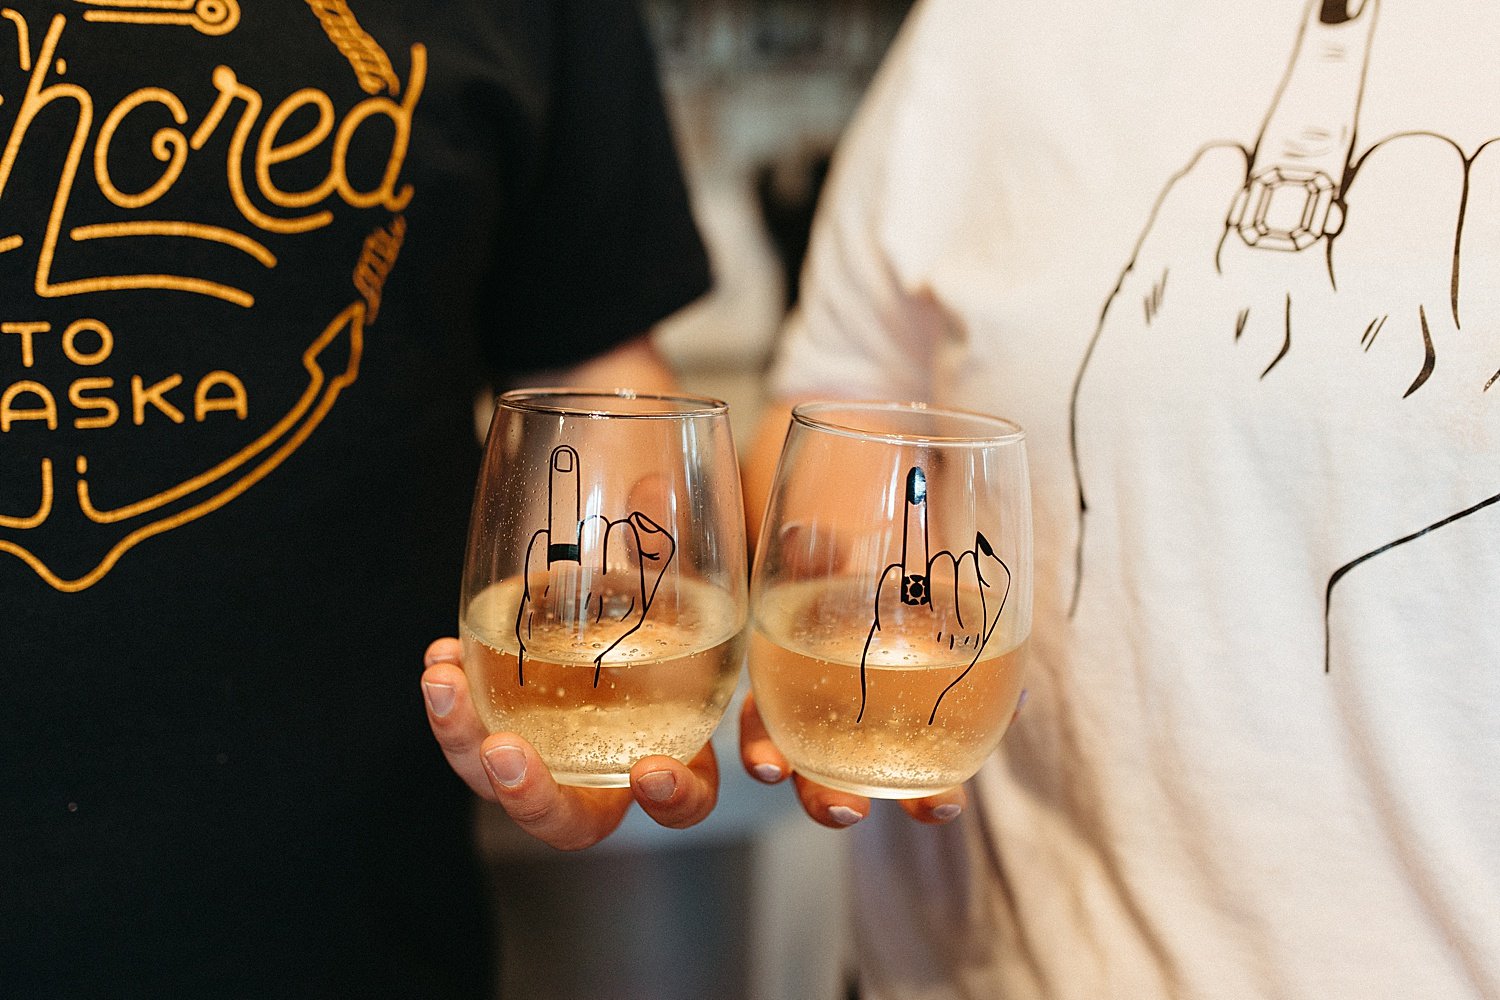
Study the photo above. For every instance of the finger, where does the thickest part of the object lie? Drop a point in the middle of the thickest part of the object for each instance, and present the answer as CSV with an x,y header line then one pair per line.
x,y
654,548
1187,226
969,601
565,817
890,595
646,528
613,563
914,554
536,592
994,576
935,810
945,583
830,807
674,794
571,584
1405,205
451,714
1479,296
1311,127
1020,704
563,505
1292,199
962,606
611,546
762,760
641,544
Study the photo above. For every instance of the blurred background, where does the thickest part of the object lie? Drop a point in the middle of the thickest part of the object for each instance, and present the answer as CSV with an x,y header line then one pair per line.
x,y
759,91
749,905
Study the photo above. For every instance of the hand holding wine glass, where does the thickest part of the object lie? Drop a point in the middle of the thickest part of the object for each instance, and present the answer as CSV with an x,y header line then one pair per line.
x,y
603,600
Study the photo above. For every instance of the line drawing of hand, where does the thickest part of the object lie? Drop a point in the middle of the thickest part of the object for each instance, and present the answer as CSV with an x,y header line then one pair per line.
x,y
943,602
601,574
1297,272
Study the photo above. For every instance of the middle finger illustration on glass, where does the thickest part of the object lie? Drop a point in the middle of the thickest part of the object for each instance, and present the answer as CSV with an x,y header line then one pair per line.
x,y
892,595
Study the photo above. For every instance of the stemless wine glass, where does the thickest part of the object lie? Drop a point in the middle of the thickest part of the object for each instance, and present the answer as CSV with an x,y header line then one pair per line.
x,y
892,595
604,585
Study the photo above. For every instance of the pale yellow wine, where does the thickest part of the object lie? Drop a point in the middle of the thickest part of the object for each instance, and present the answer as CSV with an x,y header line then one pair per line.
x,y
805,670
661,690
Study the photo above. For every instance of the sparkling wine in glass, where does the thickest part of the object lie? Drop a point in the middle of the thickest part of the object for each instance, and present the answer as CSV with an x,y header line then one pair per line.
x,y
892,595
604,594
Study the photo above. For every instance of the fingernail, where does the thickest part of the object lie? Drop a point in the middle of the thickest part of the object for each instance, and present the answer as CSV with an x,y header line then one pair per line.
x,y
441,657
843,815
769,773
1341,11
439,698
507,764
659,786
947,811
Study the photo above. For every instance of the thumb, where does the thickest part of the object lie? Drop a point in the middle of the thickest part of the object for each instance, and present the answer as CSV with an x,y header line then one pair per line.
x,y
677,795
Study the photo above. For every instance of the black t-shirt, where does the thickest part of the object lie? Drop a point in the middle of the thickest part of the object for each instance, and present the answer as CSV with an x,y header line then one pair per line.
x,y
255,257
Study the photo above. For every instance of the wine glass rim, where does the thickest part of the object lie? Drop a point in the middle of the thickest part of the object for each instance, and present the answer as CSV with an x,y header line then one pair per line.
x,y
818,415
549,400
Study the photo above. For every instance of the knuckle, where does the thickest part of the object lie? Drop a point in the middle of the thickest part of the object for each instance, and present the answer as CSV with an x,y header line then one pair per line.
x,y
480,786
528,813
455,746
454,739
680,816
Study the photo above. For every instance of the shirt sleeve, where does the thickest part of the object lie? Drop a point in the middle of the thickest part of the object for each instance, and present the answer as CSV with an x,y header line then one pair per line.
x,y
601,244
864,326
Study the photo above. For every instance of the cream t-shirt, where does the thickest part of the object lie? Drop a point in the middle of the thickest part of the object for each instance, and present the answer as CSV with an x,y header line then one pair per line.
x,y
1236,269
